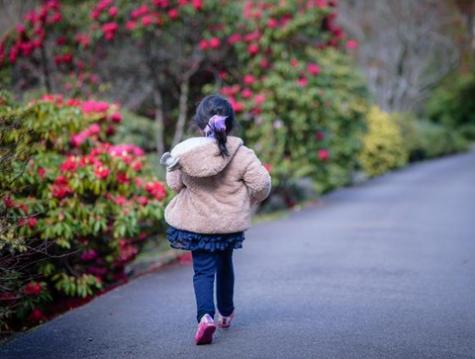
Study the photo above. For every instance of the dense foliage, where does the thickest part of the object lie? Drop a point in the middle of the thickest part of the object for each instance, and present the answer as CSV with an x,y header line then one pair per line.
x,y
453,105
78,208
383,146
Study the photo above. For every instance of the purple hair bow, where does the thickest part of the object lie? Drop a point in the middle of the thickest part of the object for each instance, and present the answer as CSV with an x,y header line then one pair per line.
x,y
216,122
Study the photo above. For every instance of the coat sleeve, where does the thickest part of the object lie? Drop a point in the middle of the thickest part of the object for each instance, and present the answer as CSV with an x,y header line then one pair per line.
x,y
255,176
175,181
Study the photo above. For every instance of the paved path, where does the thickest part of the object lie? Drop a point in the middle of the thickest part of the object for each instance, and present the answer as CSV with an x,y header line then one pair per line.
x,y
383,270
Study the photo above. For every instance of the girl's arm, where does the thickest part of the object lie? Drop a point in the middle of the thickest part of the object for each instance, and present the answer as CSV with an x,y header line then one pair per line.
x,y
174,180
255,176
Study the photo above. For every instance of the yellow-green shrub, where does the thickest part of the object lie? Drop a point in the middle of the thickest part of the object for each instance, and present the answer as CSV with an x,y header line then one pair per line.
x,y
383,145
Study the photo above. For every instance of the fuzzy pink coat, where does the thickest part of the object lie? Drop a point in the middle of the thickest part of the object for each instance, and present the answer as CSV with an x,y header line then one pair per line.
x,y
214,193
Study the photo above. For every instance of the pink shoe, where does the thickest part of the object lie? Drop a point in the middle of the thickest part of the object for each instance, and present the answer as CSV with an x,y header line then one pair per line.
x,y
225,322
206,328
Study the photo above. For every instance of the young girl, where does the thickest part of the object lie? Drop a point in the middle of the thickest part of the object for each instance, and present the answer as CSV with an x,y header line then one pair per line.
x,y
216,179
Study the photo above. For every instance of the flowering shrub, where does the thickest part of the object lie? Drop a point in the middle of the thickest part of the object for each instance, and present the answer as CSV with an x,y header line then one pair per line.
x,y
383,146
79,208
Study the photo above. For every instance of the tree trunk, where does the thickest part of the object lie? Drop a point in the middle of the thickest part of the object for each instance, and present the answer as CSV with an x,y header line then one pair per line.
x,y
157,97
182,110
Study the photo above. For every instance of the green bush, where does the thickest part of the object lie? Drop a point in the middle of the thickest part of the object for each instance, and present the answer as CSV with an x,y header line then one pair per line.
x,y
424,139
136,130
78,208
383,145
453,105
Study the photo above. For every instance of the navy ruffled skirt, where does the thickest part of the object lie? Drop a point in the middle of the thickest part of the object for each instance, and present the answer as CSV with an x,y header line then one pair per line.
x,y
181,239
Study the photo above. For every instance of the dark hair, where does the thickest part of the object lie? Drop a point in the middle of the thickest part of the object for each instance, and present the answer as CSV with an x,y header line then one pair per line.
x,y
216,105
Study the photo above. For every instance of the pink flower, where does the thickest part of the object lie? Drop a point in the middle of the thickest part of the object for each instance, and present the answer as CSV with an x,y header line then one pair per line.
x,y
272,23
323,154
197,4
352,44
147,20
294,62
88,255
268,167
246,93
303,81
249,79
142,200
130,25
237,106
214,43
313,69
60,188
94,106
203,44
319,135
109,29
173,14
259,99
234,38
140,11
116,117
83,40
113,11
120,200
252,49
161,3
252,36
20,28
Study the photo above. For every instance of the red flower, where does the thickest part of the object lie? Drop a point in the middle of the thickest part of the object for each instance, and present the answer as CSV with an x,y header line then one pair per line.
x,y
156,189
319,135
294,62
173,14
249,79
60,188
122,178
268,167
214,43
36,315
69,165
41,172
32,222
161,3
8,202
101,172
323,154
32,289
313,69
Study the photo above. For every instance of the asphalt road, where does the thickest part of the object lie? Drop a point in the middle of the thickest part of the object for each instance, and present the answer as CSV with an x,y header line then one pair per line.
x,y
382,270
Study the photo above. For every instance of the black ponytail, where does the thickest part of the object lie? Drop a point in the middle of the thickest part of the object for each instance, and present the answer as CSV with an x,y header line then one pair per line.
x,y
216,105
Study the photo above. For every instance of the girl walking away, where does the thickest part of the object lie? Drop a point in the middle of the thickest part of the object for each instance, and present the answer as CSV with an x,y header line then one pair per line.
x,y
216,179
